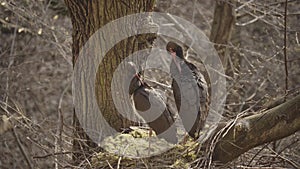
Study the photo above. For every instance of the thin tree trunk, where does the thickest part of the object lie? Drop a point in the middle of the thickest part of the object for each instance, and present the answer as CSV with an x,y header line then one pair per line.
x,y
223,22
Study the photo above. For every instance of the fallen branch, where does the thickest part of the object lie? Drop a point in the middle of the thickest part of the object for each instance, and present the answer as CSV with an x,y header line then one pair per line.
x,y
251,131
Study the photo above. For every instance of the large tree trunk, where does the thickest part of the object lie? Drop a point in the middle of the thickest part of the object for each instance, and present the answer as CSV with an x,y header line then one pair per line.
x,y
87,17
249,132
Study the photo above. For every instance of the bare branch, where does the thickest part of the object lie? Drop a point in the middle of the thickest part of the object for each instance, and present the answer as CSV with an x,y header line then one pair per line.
x,y
251,131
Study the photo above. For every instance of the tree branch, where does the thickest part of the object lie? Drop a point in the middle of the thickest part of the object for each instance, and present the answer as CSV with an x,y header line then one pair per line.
x,y
251,131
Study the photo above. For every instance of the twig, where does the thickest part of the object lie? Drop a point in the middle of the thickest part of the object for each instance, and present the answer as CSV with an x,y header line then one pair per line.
x,y
263,15
296,35
181,28
54,154
255,155
285,50
109,164
119,162
194,11
58,141
288,146
280,2
291,162
22,149
158,83
243,5
11,62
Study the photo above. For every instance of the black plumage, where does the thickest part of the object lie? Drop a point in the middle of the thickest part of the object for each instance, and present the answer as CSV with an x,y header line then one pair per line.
x,y
189,89
159,118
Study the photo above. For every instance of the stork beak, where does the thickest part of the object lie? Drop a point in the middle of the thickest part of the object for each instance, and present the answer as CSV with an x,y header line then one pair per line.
x,y
173,54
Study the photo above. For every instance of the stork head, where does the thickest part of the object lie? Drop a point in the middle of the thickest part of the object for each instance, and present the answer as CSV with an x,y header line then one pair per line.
x,y
174,49
176,52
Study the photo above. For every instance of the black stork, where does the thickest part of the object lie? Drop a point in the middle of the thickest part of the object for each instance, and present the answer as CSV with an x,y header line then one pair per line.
x,y
159,118
189,89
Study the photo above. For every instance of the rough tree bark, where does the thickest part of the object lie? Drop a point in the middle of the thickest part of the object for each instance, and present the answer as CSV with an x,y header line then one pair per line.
x,y
249,132
87,17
